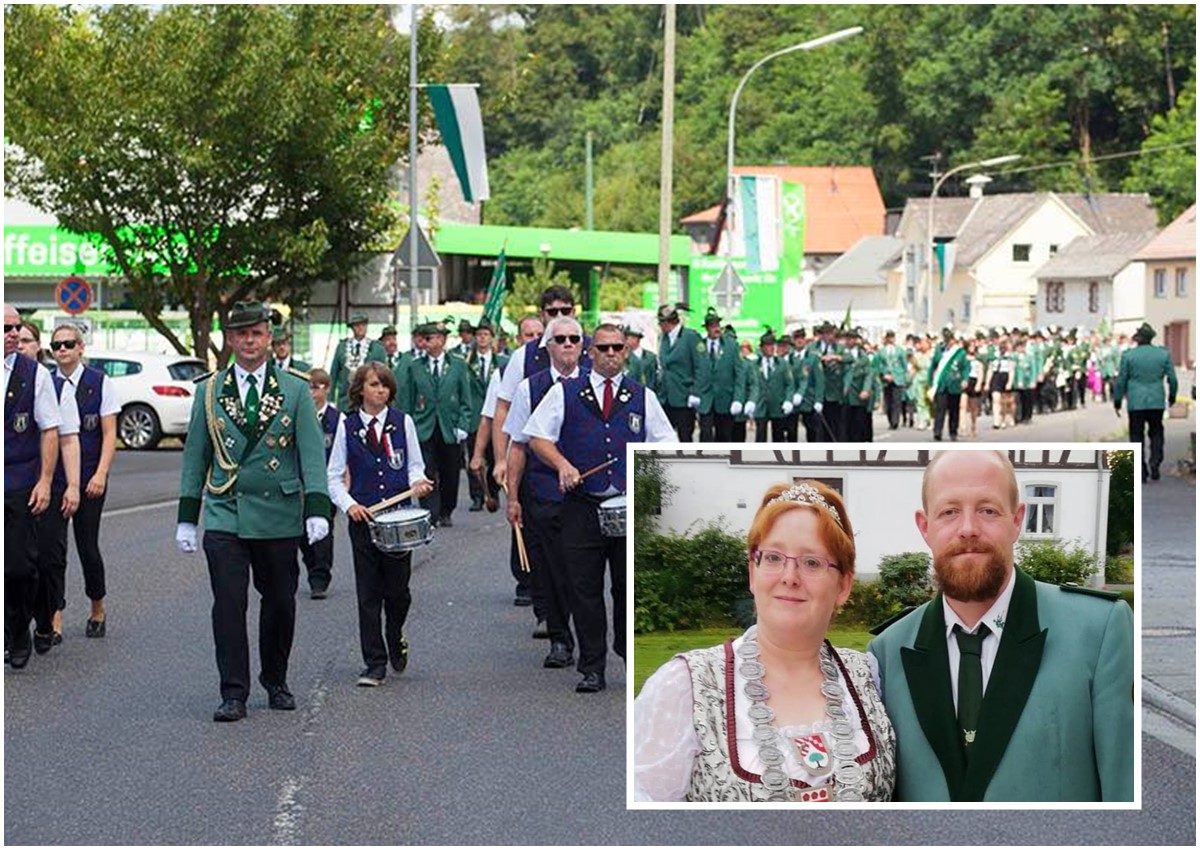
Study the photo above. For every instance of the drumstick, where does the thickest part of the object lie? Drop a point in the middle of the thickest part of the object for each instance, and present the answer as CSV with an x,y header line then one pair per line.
x,y
387,503
522,555
599,467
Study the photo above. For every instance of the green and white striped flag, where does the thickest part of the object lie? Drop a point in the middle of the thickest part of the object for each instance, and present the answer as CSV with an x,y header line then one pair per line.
x,y
456,108
494,305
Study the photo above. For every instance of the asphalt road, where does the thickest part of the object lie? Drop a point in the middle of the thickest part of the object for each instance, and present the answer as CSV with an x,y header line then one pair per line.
x,y
111,741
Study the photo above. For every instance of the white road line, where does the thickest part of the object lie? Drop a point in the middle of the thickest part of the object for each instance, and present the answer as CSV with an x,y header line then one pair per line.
x,y
137,508
286,826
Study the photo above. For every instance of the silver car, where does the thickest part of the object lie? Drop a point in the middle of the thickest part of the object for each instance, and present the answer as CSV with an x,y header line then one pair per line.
x,y
155,392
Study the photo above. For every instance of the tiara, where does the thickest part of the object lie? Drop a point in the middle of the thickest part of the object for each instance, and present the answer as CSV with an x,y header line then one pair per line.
x,y
806,494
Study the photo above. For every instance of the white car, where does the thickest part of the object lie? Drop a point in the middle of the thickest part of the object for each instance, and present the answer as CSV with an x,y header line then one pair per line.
x,y
155,392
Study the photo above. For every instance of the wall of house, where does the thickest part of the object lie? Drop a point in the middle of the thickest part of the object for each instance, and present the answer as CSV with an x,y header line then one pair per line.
x,y
1129,298
1173,309
1076,310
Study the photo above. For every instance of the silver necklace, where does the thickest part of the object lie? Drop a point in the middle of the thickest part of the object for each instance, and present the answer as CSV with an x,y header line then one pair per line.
x,y
846,776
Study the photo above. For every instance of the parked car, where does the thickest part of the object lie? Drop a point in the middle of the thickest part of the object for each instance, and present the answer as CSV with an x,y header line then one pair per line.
x,y
155,392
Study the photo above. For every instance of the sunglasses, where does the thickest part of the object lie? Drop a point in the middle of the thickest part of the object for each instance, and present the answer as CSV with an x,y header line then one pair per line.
x,y
561,339
68,344
10,328
559,311
614,347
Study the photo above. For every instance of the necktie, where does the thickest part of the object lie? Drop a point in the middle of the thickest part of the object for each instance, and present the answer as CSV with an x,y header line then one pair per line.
x,y
251,399
372,437
712,350
436,374
607,398
970,681
356,349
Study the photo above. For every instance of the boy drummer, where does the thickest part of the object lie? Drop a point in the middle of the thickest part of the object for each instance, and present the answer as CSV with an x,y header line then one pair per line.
x,y
378,446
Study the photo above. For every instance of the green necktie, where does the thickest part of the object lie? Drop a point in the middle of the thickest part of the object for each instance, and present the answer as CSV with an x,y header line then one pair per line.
x,y
970,681
251,399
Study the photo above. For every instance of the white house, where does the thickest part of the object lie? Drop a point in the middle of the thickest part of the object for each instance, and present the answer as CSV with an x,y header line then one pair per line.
x,y
1167,296
1092,280
863,279
1066,491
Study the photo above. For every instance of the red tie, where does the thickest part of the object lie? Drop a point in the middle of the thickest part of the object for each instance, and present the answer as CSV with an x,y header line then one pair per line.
x,y
607,397
372,437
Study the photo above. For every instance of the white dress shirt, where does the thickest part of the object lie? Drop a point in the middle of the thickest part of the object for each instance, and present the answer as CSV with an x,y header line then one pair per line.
x,y
673,334
336,472
46,411
260,375
518,414
489,398
546,421
994,619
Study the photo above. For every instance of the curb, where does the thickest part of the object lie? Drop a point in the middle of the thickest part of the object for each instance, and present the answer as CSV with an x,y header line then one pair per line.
x,y
1168,703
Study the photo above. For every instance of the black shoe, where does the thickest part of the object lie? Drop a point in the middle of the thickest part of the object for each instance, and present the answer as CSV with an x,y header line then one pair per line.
x,y
476,505
278,696
1154,473
42,642
319,592
371,677
523,597
591,683
95,628
398,652
937,437
229,711
21,649
560,656
446,522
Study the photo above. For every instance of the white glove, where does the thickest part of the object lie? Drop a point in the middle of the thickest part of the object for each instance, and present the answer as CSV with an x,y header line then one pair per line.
x,y
818,407
787,408
317,528
796,400
460,435
185,536
735,409
693,401
750,408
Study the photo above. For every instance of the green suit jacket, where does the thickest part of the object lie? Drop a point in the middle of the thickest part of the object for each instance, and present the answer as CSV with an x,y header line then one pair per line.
x,y
478,383
774,390
339,369
858,375
808,375
444,403
892,360
951,378
280,459
680,370
721,386
1141,378
643,369
1057,717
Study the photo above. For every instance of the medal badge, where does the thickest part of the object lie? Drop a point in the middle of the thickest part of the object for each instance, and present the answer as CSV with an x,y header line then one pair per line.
x,y
395,458
329,441
273,464
90,421
819,794
284,439
21,422
635,423
285,420
270,441
814,753
420,402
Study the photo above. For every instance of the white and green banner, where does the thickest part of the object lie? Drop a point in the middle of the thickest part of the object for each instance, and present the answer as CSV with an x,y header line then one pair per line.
x,y
456,108
792,218
758,220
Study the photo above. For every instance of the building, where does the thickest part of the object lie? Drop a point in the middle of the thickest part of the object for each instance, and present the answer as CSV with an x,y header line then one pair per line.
x,y
1168,293
1066,493
865,280
1092,280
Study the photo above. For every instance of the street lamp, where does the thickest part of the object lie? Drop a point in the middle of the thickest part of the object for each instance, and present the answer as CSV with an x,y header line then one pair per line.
x,y
937,184
808,45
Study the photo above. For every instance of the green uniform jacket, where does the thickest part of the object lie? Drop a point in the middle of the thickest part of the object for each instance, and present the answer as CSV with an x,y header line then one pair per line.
x,y
833,371
1141,378
952,377
280,459
720,387
1057,718
339,369
445,403
859,375
643,368
751,386
478,384
680,371
774,391
298,365
809,377
892,362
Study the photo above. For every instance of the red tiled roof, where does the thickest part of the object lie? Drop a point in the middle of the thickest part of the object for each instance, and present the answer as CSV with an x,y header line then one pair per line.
x,y
844,204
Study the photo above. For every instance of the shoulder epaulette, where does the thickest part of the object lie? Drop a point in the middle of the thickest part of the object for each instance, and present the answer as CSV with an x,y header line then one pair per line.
x,y
299,374
879,629
1110,595
203,377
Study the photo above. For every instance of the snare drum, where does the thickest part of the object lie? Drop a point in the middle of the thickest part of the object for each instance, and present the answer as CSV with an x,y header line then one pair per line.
x,y
612,516
401,530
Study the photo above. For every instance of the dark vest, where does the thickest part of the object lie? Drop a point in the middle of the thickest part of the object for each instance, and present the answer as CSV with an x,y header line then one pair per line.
x,y
542,479
587,440
329,423
88,396
22,438
375,476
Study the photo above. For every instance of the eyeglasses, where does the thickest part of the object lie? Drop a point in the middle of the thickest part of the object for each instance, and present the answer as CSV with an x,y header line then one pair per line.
x,y
68,344
614,347
559,311
561,339
770,561
10,328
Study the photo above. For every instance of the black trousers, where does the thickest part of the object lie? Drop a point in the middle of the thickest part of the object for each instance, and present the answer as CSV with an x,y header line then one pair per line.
x,y
778,430
791,427
1141,421
232,562
812,426
442,463
683,419
587,553
893,402
945,405
716,427
737,432
51,531
20,564
381,580
545,545
858,424
835,417
524,585
318,558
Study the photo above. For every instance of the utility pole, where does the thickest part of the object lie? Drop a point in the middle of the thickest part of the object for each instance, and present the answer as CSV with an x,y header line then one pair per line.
x,y
668,142
589,213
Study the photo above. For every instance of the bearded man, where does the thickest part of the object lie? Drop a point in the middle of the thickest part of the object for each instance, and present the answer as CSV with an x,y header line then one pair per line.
x,y
1002,688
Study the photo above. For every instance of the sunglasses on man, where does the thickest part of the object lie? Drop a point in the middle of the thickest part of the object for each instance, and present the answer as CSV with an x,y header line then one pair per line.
x,y
606,347
68,344
561,339
559,311
10,328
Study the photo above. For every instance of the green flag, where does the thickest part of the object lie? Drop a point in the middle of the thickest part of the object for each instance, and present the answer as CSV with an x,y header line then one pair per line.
x,y
846,319
494,304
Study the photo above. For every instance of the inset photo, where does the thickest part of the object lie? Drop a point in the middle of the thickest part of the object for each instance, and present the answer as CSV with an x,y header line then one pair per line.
x,y
905,626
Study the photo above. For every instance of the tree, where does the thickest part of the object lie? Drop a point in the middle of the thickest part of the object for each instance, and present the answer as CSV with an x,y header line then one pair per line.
x,y
1120,500
217,152
527,287
1167,167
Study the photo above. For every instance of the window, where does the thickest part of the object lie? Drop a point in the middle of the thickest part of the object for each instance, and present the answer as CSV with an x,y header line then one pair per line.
x,y
187,370
1055,297
1053,250
1181,283
1021,253
116,368
1160,283
966,311
1093,297
1041,502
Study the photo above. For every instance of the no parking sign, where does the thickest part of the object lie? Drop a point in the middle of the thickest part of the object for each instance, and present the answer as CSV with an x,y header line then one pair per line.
x,y
73,294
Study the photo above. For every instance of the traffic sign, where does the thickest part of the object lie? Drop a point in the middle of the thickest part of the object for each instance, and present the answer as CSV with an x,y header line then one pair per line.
x,y
73,294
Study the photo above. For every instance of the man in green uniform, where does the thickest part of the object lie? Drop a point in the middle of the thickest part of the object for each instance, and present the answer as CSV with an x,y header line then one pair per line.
x,y
482,363
860,382
831,354
681,372
1140,379
891,364
723,392
808,375
391,346
775,391
281,347
255,459
641,365
352,352
466,339
748,364
949,372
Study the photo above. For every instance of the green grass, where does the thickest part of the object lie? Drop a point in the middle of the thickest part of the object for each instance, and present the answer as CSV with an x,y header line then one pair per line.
x,y
651,651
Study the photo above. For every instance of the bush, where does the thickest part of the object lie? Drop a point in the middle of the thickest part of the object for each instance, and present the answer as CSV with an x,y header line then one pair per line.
x,y
1118,570
1053,562
683,581
867,605
905,579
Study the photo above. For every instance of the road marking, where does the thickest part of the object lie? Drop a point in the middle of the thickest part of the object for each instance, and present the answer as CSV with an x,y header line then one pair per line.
x,y
138,508
286,826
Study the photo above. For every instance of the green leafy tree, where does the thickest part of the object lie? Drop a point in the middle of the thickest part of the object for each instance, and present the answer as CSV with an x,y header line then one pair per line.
x,y
526,288
1167,167
1120,501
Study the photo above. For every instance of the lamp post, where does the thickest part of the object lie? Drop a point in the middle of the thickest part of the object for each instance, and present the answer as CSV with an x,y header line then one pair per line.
x,y
937,184
737,93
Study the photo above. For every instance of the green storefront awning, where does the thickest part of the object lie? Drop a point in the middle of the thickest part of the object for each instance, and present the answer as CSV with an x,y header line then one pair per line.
x,y
593,246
